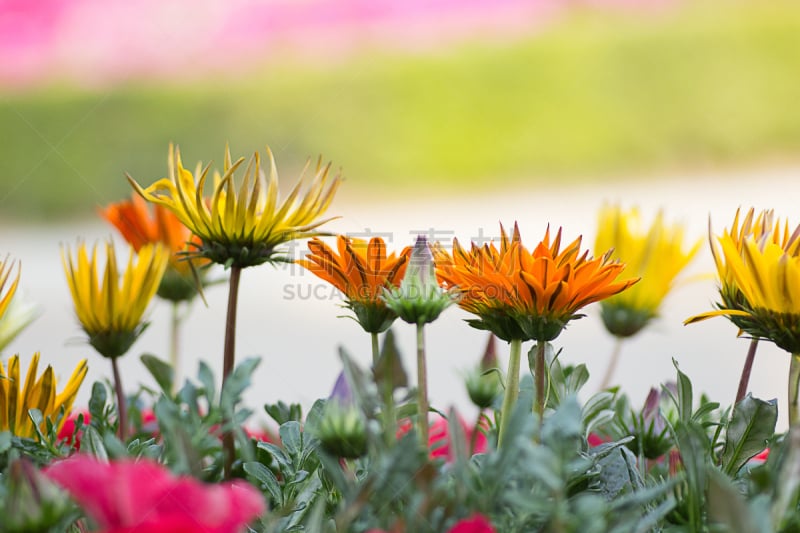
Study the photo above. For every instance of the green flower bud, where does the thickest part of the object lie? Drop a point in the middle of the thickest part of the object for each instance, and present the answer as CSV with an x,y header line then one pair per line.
x,y
178,286
483,387
623,321
342,431
484,383
419,299
33,503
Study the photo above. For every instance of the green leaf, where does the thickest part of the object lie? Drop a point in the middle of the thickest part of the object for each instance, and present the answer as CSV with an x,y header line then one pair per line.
x,y
37,419
92,443
685,399
784,504
315,415
694,448
282,413
236,384
266,479
726,506
277,453
598,410
206,377
615,473
97,402
752,423
5,441
161,372
389,372
292,438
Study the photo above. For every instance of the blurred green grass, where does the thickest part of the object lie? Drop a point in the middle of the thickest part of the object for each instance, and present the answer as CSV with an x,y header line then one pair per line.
x,y
592,95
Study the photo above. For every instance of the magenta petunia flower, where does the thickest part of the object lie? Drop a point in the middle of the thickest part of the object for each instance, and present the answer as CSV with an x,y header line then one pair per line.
x,y
474,524
126,496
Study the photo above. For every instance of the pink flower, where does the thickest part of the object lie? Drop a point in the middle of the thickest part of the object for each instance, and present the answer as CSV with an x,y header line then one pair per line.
x,y
68,429
761,457
595,440
439,438
475,524
127,496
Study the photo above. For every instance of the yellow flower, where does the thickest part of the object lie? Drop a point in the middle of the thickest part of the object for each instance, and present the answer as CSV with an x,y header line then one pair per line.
x,y
111,309
17,316
8,295
362,271
520,294
17,398
759,271
140,225
242,228
656,255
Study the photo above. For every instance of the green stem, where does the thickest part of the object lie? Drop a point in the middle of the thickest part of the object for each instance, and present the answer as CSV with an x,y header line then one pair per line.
x,y
794,384
390,418
744,381
473,439
122,407
422,386
375,350
228,445
512,389
541,383
174,343
612,363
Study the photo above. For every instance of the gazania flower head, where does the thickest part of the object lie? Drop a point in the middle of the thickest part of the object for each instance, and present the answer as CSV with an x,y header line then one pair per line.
x,y
17,397
520,294
110,307
362,271
657,255
15,314
7,292
759,270
140,226
243,227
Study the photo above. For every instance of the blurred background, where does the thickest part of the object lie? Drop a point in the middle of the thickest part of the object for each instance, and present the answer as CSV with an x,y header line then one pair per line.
x,y
446,116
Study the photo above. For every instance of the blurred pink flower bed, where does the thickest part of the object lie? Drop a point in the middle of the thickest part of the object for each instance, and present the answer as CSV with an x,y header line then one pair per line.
x,y
90,42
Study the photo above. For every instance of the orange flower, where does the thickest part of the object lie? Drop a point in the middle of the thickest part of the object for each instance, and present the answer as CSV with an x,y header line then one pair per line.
x,y
361,271
521,295
134,221
139,226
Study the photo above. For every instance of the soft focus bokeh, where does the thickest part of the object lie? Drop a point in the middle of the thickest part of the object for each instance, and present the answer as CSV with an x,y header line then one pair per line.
x,y
447,117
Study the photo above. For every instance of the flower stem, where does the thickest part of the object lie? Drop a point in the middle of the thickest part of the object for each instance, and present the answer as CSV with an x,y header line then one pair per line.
x,y
541,346
122,407
794,384
174,342
512,389
422,386
473,439
375,349
612,363
228,445
744,381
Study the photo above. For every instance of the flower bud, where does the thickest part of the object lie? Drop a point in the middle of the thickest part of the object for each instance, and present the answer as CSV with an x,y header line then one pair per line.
x,y
483,387
624,321
419,299
342,431
483,383
33,502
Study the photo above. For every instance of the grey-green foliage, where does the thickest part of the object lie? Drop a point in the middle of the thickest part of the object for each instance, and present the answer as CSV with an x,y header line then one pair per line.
x,y
544,479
